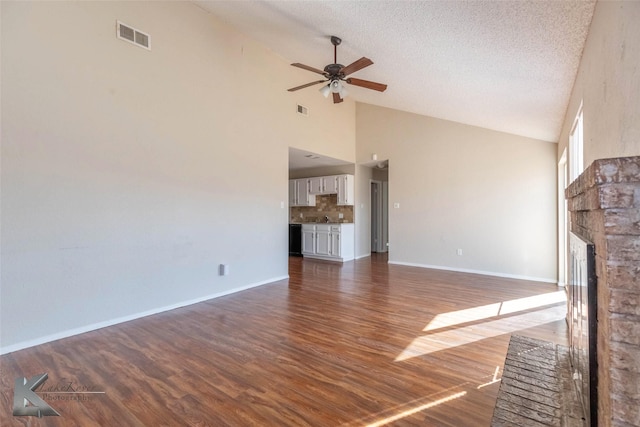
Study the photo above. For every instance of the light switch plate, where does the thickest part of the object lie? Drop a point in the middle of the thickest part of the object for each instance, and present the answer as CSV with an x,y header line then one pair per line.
x,y
396,205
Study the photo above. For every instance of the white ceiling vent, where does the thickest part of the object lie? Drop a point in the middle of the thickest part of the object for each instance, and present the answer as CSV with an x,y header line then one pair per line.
x,y
131,35
303,110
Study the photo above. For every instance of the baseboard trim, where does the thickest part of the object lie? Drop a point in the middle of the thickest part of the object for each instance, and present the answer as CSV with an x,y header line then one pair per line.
x,y
99,325
363,256
484,273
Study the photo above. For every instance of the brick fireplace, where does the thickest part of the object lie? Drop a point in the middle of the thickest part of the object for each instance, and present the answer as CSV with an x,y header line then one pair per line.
x,y
604,203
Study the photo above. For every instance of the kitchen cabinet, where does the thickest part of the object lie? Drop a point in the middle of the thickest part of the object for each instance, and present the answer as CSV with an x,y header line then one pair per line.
x,y
308,239
299,193
323,184
302,192
330,184
292,192
346,190
316,185
334,242
323,240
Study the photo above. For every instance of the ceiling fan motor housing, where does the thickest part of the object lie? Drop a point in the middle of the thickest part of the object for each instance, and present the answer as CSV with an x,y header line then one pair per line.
x,y
334,70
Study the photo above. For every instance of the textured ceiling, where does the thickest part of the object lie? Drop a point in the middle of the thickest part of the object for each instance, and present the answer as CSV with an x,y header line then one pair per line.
x,y
503,65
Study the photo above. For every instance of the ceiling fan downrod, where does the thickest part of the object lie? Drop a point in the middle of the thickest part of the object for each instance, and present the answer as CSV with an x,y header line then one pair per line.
x,y
335,41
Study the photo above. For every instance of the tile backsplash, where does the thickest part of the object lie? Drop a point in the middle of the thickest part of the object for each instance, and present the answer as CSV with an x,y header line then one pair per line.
x,y
326,205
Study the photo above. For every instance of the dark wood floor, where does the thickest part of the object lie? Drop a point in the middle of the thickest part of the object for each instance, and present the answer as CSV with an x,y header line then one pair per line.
x,y
364,344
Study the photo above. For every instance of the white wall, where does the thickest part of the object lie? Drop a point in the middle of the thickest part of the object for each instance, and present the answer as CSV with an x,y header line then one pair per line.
x,y
129,175
608,82
491,194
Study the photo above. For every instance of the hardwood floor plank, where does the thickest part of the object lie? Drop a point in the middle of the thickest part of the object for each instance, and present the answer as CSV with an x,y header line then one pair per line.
x,y
360,344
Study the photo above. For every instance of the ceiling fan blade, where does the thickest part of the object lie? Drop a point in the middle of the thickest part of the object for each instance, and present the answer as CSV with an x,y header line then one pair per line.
x,y
367,84
336,98
358,65
306,85
308,68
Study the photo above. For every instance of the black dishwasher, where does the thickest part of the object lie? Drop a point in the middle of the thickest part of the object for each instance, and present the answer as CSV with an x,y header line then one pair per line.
x,y
295,239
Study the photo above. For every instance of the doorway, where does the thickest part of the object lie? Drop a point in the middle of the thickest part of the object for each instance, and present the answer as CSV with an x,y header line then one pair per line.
x,y
379,215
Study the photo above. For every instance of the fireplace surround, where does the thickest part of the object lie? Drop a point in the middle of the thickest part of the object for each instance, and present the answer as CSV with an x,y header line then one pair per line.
x,y
604,205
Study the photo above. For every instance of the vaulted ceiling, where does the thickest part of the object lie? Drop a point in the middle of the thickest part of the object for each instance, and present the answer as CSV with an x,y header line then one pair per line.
x,y
502,65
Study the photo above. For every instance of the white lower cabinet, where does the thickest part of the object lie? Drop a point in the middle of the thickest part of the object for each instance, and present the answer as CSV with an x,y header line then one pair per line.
x,y
308,239
334,242
323,240
328,241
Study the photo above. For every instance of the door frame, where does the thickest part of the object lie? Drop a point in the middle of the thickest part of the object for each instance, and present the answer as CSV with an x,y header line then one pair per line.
x,y
563,220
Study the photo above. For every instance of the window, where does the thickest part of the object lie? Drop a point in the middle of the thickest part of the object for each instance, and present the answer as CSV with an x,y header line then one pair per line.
x,y
576,142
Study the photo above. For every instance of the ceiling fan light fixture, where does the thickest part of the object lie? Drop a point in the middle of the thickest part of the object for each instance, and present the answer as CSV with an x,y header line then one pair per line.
x,y
343,92
336,86
326,90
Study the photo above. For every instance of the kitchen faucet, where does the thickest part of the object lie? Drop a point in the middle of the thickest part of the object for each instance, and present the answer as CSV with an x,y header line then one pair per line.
x,y
326,218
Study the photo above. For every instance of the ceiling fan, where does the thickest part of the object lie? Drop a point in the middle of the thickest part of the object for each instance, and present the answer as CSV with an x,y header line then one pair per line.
x,y
335,74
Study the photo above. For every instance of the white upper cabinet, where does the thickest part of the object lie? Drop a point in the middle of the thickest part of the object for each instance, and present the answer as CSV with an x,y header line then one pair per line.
x,y
316,185
293,196
346,190
330,184
299,193
323,184
302,192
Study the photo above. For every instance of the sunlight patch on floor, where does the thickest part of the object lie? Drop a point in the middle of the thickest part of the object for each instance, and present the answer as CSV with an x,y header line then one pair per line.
x,y
407,411
437,341
453,318
415,410
494,380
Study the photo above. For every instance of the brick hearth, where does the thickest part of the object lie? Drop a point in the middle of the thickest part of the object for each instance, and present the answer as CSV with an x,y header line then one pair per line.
x,y
536,387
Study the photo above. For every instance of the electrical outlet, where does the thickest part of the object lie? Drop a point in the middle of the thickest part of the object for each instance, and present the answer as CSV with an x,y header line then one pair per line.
x,y
340,215
301,215
459,252
396,205
223,269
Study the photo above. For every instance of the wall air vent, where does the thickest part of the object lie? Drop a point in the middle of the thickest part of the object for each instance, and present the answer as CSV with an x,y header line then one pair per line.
x,y
303,110
131,35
